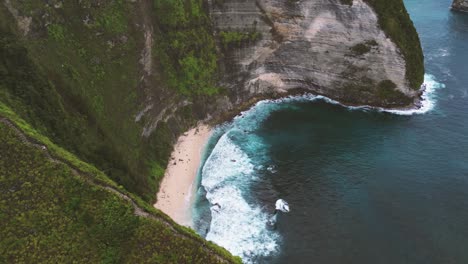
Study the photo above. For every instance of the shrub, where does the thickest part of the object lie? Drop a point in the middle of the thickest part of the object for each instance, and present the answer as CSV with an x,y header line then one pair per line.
x,y
360,49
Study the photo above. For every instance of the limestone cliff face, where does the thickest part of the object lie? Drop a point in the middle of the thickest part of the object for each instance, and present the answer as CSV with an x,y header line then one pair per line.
x,y
323,46
460,5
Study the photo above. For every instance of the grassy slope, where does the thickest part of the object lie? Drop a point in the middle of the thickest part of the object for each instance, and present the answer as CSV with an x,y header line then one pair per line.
x,y
48,214
76,90
79,83
74,87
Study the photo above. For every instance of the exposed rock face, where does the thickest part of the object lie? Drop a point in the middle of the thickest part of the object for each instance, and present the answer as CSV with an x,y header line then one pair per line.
x,y
23,22
323,46
460,5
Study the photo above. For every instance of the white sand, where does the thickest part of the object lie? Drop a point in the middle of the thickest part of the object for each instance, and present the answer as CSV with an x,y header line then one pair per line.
x,y
178,186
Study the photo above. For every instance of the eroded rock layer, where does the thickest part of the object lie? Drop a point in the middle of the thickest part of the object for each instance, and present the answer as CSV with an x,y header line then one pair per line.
x,y
324,46
460,5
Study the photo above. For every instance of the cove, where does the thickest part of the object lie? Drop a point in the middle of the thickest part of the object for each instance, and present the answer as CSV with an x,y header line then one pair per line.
x,y
364,186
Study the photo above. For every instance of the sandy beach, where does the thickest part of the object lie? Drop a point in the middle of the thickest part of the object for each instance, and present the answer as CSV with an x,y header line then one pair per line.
x,y
178,186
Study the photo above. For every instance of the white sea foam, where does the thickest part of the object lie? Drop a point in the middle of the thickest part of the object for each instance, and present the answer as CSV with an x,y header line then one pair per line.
x,y
237,225
227,162
428,101
443,52
272,169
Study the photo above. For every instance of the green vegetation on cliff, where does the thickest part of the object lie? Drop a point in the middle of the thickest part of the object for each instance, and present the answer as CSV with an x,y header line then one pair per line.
x,y
73,87
185,46
396,23
53,212
233,39
78,78
77,83
363,48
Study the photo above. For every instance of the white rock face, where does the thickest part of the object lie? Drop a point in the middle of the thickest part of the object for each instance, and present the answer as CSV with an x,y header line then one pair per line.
x,y
460,5
309,44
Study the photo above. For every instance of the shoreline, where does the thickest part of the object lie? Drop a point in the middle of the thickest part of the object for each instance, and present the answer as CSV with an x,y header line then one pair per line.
x,y
178,187
416,105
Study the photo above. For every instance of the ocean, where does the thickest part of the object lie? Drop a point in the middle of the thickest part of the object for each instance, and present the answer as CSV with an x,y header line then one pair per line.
x,y
363,185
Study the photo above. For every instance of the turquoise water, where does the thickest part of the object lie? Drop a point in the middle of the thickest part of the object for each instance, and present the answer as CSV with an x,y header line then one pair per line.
x,y
364,186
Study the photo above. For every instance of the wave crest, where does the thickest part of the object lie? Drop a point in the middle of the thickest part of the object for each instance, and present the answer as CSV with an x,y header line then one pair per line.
x,y
236,224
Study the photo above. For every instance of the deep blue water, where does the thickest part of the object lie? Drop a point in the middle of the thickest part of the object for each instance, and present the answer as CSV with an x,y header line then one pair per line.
x,y
364,186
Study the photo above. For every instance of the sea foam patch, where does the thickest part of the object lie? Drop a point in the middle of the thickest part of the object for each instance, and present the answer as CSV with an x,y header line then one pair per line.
x,y
428,98
236,224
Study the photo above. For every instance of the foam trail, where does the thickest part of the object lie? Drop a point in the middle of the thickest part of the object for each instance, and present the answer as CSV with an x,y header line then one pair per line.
x,y
237,225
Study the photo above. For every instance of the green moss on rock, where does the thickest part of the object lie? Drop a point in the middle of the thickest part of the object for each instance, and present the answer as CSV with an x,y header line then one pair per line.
x,y
234,39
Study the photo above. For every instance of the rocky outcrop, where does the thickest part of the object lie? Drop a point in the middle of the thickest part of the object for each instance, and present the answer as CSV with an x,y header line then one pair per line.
x,y
23,22
460,5
324,46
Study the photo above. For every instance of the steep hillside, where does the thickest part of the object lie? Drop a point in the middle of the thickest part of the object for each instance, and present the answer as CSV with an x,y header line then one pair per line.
x,y
112,81
55,208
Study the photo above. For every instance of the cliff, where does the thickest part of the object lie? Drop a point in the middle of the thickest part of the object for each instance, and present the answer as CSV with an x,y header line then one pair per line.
x,y
460,5
102,79
113,83
81,86
347,50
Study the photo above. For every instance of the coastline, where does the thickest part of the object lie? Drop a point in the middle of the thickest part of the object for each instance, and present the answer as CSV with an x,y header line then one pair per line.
x,y
415,107
177,192
178,187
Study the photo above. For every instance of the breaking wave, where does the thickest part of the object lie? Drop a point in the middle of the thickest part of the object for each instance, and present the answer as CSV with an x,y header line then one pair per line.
x,y
236,224
428,101
428,98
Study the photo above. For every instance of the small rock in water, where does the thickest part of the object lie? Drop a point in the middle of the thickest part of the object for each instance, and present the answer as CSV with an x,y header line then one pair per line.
x,y
233,160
